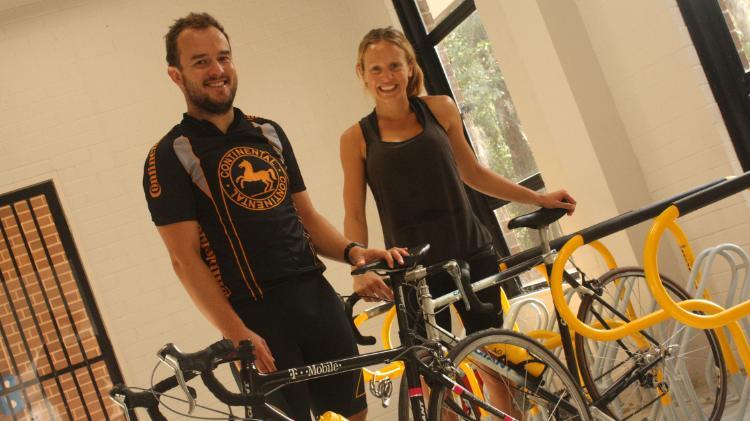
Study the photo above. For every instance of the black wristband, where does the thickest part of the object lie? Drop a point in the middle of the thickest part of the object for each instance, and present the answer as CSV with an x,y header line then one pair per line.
x,y
349,248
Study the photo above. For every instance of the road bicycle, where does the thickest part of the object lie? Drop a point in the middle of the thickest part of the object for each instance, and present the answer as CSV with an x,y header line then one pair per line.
x,y
536,384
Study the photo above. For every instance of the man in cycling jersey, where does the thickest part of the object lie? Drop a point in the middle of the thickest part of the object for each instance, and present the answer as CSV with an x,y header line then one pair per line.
x,y
228,198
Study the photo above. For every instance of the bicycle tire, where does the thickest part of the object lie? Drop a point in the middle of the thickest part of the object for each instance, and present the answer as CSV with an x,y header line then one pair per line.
x,y
535,381
602,362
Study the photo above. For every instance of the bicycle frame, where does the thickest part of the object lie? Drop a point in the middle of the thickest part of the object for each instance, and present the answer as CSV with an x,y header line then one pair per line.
x,y
260,385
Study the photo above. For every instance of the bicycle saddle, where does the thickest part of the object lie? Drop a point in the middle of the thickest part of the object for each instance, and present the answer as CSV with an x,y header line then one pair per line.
x,y
537,219
415,257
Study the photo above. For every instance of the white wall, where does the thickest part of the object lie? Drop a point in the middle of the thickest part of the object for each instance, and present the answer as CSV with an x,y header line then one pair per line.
x,y
84,94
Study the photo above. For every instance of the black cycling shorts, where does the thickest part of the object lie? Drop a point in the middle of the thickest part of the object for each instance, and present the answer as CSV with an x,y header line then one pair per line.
x,y
303,322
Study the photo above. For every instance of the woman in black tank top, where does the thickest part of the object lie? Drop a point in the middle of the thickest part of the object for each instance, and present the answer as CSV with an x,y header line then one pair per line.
x,y
412,153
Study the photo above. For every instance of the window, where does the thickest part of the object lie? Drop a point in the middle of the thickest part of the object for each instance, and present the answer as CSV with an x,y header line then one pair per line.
x,y
456,56
56,360
720,30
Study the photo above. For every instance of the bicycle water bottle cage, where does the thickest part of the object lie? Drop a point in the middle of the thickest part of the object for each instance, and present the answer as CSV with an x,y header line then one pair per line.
x,y
537,219
415,257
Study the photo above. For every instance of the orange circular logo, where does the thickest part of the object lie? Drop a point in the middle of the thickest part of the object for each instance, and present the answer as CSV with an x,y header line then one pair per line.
x,y
253,178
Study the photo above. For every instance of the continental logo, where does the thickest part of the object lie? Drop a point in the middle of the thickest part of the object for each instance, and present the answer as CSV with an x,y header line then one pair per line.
x,y
210,258
154,188
253,178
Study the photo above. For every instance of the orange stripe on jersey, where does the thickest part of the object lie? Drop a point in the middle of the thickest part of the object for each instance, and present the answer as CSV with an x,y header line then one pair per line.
x,y
184,154
244,253
210,258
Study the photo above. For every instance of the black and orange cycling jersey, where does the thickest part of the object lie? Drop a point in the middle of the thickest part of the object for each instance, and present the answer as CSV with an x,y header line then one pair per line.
x,y
238,186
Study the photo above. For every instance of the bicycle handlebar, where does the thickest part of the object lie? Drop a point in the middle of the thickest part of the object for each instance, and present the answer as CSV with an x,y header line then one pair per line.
x,y
349,312
458,270
203,362
206,359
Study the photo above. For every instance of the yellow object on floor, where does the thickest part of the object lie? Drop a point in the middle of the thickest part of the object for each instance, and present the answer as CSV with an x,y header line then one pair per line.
x,y
331,416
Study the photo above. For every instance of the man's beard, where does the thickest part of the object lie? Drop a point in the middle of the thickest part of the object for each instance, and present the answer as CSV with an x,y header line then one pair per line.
x,y
204,102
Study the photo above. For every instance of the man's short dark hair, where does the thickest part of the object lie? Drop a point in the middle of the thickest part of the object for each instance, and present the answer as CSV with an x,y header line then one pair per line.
x,y
191,21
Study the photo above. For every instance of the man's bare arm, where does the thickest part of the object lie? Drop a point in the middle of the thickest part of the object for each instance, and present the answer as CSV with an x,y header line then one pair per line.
x,y
183,243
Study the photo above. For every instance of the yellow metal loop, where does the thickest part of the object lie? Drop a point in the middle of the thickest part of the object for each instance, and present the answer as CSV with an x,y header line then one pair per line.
x,y
609,259
651,269
715,317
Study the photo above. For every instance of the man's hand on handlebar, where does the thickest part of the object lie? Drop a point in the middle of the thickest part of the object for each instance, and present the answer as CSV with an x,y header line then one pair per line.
x,y
264,361
371,287
359,256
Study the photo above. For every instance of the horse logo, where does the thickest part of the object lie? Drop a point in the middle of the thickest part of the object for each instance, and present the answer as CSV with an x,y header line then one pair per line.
x,y
267,177
253,178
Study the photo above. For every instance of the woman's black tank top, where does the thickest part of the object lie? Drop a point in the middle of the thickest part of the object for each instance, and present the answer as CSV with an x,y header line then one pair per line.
x,y
418,190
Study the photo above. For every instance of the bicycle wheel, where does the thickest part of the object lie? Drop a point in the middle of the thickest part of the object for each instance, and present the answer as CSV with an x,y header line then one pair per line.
x,y
680,371
514,374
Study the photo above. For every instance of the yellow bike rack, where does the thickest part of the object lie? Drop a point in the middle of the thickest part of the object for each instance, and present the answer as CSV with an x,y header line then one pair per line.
x,y
715,317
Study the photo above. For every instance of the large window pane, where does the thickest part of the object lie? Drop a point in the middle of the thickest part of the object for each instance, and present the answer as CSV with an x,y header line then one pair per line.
x,y
485,103
434,11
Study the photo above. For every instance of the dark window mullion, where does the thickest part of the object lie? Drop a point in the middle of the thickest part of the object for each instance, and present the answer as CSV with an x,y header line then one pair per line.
x,y
447,25
435,81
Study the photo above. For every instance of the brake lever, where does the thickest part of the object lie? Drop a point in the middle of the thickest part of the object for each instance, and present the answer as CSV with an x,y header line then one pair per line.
x,y
119,399
455,272
172,362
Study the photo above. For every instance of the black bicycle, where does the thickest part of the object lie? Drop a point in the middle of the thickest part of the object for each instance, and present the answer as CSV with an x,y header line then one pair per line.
x,y
492,374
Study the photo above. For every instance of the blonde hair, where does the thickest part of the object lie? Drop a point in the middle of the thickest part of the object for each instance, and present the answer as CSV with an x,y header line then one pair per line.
x,y
415,85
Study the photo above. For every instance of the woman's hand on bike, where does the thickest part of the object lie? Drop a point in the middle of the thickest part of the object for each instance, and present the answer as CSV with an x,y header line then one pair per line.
x,y
558,199
371,287
264,361
359,256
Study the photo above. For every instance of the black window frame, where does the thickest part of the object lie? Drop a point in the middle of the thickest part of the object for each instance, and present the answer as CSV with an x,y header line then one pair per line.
x,y
729,82
107,355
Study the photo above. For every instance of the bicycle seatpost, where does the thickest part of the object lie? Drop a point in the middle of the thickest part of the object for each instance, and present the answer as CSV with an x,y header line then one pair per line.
x,y
544,239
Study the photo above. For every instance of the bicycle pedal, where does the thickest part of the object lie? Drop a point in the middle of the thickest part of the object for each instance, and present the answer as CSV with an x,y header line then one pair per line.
x,y
382,389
